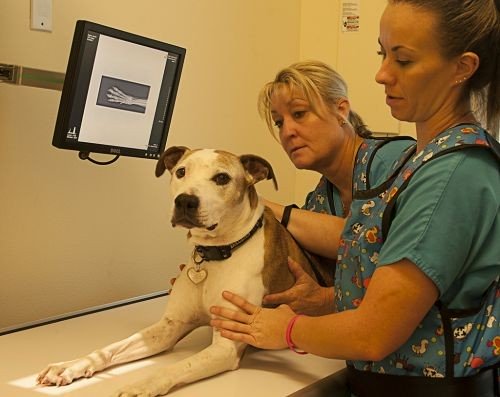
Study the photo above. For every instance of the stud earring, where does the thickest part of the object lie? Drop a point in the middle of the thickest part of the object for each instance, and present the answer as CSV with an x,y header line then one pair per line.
x,y
461,80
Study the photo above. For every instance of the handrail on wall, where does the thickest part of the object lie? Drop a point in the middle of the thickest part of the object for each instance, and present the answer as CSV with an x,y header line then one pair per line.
x,y
21,75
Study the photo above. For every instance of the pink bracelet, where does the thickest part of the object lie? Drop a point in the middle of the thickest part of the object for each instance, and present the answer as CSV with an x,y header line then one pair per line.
x,y
288,335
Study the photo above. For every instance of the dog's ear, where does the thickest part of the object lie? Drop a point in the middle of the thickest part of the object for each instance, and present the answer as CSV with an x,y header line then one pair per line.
x,y
169,158
259,168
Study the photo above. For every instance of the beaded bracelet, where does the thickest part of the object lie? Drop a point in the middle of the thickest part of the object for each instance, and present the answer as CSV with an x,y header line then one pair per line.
x,y
285,218
288,335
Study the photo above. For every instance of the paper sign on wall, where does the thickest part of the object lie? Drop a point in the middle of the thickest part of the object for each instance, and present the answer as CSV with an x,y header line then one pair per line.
x,y
350,15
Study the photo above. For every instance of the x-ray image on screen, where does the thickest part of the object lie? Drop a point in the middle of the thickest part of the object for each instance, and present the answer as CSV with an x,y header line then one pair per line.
x,y
123,95
118,94
102,124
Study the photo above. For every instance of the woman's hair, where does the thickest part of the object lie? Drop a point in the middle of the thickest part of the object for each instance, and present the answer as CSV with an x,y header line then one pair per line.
x,y
471,25
319,84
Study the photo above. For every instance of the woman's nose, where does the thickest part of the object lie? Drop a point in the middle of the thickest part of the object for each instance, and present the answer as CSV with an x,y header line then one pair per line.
x,y
384,75
288,128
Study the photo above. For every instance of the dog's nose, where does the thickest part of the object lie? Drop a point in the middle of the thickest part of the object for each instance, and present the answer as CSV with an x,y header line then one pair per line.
x,y
186,202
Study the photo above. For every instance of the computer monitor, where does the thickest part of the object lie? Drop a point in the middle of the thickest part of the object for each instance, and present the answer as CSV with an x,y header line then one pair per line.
x,y
119,93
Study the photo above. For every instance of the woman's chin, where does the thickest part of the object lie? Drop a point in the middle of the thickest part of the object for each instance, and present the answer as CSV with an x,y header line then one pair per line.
x,y
301,164
400,116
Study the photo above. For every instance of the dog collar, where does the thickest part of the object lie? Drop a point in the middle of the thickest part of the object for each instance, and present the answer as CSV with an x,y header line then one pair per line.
x,y
220,252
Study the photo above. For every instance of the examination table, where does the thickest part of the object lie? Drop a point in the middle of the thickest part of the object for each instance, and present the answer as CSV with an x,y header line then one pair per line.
x,y
262,373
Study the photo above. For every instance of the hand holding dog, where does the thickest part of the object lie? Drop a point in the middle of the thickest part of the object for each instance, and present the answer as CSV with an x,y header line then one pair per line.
x,y
306,296
256,326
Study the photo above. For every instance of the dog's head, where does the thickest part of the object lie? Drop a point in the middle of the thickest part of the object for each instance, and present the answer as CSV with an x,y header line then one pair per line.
x,y
212,188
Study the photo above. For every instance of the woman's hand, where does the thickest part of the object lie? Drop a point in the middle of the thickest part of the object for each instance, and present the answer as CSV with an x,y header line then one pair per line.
x,y
306,296
262,328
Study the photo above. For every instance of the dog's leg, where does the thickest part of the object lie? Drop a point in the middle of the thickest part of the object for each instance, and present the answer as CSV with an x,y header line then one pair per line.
x,y
222,355
158,337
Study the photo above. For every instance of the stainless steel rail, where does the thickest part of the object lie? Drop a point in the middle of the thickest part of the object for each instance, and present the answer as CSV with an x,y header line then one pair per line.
x,y
22,75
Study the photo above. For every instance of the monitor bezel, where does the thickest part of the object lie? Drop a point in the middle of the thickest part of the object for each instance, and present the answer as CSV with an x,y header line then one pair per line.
x,y
69,91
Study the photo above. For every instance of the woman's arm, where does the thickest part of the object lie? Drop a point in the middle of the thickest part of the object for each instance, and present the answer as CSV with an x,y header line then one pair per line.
x,y
315,232
398,298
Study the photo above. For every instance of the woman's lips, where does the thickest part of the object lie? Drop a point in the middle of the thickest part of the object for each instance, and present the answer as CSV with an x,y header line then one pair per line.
x,y
295,149
392,100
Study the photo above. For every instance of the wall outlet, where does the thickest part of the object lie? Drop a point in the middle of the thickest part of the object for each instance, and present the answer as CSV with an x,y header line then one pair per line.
x,y
41,15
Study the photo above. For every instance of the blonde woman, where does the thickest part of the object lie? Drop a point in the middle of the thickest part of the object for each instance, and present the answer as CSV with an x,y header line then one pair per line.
x,y
306,106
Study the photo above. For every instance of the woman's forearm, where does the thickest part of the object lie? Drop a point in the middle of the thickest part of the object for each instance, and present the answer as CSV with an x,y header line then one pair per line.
x,y
315,232
275,207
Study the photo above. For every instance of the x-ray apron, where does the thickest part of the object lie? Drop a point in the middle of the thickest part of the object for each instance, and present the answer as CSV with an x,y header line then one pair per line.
x,y
448,343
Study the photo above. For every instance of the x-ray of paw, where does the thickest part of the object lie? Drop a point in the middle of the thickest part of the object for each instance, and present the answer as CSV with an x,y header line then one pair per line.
x,y
123,95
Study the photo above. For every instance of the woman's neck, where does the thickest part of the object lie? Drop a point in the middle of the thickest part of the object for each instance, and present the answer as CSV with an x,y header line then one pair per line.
x,y
428,130
341,170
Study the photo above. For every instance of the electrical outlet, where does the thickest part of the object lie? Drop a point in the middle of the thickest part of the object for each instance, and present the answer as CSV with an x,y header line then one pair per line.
x,y
41,15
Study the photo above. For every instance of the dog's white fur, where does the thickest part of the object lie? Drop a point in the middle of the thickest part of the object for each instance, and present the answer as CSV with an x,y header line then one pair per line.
x,y
228,208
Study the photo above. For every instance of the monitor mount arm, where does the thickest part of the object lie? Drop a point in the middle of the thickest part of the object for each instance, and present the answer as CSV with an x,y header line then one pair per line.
x,y
21,75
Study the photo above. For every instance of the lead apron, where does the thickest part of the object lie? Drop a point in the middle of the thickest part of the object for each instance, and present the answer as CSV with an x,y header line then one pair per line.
x,y
322,200
448,343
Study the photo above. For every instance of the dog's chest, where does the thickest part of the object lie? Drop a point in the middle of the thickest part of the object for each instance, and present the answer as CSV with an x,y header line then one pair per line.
x,y
241,273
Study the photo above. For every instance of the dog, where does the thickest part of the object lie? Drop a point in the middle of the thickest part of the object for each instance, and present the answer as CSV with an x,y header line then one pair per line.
x,y
238,245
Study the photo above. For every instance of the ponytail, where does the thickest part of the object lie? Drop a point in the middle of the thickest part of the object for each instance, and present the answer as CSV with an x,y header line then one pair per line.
x,y
359,125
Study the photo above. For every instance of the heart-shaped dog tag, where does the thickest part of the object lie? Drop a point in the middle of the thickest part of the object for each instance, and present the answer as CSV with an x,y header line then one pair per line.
x,y
197,276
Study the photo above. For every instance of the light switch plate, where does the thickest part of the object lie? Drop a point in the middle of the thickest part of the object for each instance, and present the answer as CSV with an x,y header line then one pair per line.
x,y
41,15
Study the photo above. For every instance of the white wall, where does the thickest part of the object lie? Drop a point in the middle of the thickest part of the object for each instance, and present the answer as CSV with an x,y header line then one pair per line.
x,y
75,235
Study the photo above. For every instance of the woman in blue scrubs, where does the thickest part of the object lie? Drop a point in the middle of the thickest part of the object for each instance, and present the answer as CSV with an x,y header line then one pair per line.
x,y
417,293
306,108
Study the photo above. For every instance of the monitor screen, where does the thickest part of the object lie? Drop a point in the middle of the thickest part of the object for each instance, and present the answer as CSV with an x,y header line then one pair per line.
x,y
119,93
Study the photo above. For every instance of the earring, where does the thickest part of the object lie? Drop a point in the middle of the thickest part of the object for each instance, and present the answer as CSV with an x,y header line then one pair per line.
x,y
461,80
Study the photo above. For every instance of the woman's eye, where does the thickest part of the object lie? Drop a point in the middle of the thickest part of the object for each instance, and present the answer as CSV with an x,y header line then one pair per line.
x,y
299,114
180,172
221,179
401,62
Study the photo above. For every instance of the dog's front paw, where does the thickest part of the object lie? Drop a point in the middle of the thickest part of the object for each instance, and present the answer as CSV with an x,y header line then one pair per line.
x,y
150,387
60,374
133,392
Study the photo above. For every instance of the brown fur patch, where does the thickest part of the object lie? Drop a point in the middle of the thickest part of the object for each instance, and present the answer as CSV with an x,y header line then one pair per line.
x,y
279,244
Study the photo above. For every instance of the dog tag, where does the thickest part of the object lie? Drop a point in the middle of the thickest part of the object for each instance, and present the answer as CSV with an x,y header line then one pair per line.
x,y
197,276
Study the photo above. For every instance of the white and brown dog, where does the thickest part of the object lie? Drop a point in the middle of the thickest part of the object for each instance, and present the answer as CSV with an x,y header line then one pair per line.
x,y
238,246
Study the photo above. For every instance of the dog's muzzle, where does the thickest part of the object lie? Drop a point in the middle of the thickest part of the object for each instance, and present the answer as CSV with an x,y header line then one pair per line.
x,y
186,212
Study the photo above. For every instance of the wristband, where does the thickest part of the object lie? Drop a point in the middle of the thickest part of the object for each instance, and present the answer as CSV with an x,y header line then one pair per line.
x,y
285,218
288,335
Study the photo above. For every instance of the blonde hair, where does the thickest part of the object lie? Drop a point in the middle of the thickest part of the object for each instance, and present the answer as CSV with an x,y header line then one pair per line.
x,y
319,84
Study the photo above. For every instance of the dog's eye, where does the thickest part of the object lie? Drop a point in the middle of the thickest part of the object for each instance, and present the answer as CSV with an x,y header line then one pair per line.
x,y
180,172
221,179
